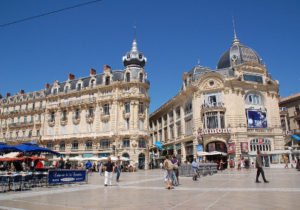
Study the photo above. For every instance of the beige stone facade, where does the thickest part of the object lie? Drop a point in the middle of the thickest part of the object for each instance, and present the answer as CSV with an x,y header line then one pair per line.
x,y
233,110
99,115
290,119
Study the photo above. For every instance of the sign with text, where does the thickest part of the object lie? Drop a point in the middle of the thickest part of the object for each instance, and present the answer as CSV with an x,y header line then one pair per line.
x,y
213,131
66,176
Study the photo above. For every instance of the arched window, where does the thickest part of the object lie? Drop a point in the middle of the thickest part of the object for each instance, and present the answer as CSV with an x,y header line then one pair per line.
x,y
127,77
79,86
107,80
253,99
141,77
66,88
88,145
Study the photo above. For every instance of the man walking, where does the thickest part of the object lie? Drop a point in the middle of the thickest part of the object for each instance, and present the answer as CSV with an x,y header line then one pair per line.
x,y
259,168
118,168
109,168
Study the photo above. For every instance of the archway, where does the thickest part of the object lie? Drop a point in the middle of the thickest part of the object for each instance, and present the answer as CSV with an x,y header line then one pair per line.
x,y
141,161
218,153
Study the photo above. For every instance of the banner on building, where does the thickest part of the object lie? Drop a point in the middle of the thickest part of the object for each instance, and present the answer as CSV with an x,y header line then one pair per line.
x,y
231,148
244,147
256,119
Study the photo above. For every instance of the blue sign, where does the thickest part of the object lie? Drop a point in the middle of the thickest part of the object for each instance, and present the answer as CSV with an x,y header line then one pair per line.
x,y
66,176
199,148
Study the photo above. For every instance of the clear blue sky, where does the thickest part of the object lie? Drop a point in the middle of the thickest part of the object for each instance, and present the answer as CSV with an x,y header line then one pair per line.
x,y
173,34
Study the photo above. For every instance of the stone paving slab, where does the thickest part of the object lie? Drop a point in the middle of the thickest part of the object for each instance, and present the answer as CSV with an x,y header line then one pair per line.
x,y
145,190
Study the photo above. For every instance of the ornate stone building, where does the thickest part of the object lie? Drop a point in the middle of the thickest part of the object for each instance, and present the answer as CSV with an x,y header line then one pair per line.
x,y
290,120
99,115
232,110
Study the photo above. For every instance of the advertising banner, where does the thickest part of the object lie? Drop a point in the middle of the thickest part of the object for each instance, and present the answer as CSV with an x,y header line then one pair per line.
x,y
244,147
66,176
231,148
256,119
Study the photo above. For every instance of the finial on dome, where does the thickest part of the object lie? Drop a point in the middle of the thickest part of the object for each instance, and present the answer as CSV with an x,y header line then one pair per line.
x,y
134,43
235,38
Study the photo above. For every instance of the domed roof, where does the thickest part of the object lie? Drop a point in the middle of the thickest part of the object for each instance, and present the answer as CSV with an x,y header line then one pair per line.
x,y
238,54
134,57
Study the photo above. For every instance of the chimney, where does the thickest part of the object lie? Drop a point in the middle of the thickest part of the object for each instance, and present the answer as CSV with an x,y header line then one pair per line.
x,y
71,77
92,72
47,85
107,68
7,94
22,91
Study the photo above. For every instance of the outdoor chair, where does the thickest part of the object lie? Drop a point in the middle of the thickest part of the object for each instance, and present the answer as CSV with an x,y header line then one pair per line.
x,y
4,183
16,181
27,182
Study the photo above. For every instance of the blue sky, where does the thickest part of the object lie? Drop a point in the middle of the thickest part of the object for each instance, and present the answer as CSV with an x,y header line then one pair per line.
x,y
173,35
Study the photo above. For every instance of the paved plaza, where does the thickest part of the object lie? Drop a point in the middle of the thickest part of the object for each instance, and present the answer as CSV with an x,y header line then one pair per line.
x,y
145,190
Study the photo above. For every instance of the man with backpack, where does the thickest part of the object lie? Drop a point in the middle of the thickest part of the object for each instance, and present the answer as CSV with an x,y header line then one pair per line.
x,y
168,166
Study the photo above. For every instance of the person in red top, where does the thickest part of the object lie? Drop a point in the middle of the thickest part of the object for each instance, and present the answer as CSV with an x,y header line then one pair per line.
x,y
39,165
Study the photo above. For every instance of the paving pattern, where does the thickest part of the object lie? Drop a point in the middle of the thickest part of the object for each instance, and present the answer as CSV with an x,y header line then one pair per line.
x,y
230,189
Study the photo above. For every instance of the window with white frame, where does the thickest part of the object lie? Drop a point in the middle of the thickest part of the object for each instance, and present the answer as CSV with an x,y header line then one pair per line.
x,y
127,107
74,145
188,126
106,109
141,107
212,120
253,99
261,144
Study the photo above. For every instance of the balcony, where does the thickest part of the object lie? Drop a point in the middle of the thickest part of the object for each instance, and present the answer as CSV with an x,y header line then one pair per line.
x,y
90,118
51,122
104,116
126,115
217,106
260,130
64,121
78,102
20,124
76,120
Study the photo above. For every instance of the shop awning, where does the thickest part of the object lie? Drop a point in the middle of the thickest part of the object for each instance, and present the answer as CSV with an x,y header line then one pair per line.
x,y
294,136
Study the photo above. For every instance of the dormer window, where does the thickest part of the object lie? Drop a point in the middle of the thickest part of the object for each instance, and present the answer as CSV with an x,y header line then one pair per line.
x,y
54,91
127,77
93,82
66,89
141,77
79,86
107,80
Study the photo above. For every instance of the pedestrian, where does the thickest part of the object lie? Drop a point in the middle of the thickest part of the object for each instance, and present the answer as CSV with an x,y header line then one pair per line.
x,y
259,168
168,166
68,164
88,166
109,168
286,161
61,163
175,163
195,167
100,168
118,168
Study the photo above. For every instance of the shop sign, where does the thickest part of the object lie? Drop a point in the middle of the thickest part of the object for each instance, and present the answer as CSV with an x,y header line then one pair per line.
x,y
199,148
213,131
66,176
244,147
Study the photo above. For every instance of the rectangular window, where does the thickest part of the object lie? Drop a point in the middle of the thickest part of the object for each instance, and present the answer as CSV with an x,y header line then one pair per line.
x,y
188,127
212,120
79,86
253,78
104,144
178,126
106,109
126,143
141,108
127,107
165,134
142,143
